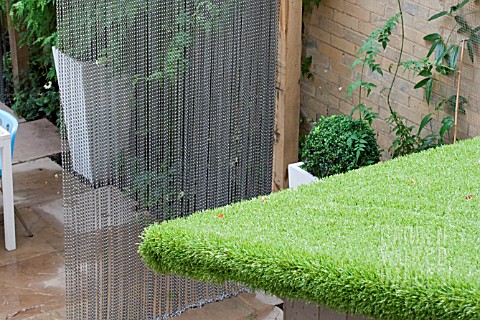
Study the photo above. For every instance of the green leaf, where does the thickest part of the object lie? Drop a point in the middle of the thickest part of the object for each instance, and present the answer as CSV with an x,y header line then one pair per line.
x,y
428,90
425,73
439,50
438,15
444,53
356,63
453,57
439,106
357,107
447,124
475,39
462,30
452,102
350,141
432,36
459,6
471,53
378,69
424,122
441,69
357,155
368,86
352,87
421,83
461,21
433,47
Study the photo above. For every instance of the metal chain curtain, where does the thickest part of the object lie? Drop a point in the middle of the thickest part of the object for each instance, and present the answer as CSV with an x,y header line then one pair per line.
x,y
168,109
3,50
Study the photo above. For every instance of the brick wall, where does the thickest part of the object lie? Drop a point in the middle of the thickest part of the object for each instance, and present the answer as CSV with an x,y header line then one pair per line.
x,y
333,34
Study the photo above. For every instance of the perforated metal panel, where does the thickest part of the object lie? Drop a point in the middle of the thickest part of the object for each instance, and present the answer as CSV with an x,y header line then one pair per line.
x,y
454,29
168,109
469,117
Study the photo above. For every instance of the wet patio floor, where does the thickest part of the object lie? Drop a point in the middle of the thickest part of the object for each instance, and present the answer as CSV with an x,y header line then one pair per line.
x,y
32,278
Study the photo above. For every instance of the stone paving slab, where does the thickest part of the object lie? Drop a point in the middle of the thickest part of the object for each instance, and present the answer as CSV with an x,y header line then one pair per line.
x,y
52,213
37,182
32,287
32,278
36,139
46,239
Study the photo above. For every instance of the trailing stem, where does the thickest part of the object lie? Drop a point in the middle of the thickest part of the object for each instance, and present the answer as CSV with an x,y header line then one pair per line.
x,y
361,81
408,141
399,60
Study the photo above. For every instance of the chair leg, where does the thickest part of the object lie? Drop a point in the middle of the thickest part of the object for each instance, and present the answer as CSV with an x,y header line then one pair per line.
x,y
30,234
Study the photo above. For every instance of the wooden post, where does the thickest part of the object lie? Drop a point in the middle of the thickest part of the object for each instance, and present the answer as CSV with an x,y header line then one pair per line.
x,y
19,54
457,102
288,91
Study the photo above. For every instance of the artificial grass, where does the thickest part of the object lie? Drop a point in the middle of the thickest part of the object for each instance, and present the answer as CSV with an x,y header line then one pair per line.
x,y
396,240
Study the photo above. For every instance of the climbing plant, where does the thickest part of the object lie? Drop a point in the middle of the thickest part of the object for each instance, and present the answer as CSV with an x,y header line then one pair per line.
x,y
36,92
309,4
306,64
441,60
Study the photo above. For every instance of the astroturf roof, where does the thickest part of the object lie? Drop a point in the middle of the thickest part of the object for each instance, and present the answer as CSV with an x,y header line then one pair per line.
x,y
397,240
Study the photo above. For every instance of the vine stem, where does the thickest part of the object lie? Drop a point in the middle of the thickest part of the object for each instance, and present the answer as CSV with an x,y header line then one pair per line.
x,y
361,81
451,32
399,60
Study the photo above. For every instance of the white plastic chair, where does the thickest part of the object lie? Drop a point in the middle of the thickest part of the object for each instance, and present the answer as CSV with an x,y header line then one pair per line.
x,y
9,123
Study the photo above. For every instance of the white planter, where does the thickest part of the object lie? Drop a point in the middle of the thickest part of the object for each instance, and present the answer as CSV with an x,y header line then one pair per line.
x,y
297,176
95,118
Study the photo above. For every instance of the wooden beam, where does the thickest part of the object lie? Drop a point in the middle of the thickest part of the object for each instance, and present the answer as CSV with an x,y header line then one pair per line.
x,y
19,54
288,91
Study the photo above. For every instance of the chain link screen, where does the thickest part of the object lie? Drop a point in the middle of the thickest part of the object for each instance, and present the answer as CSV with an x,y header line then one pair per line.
x,y
168,109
